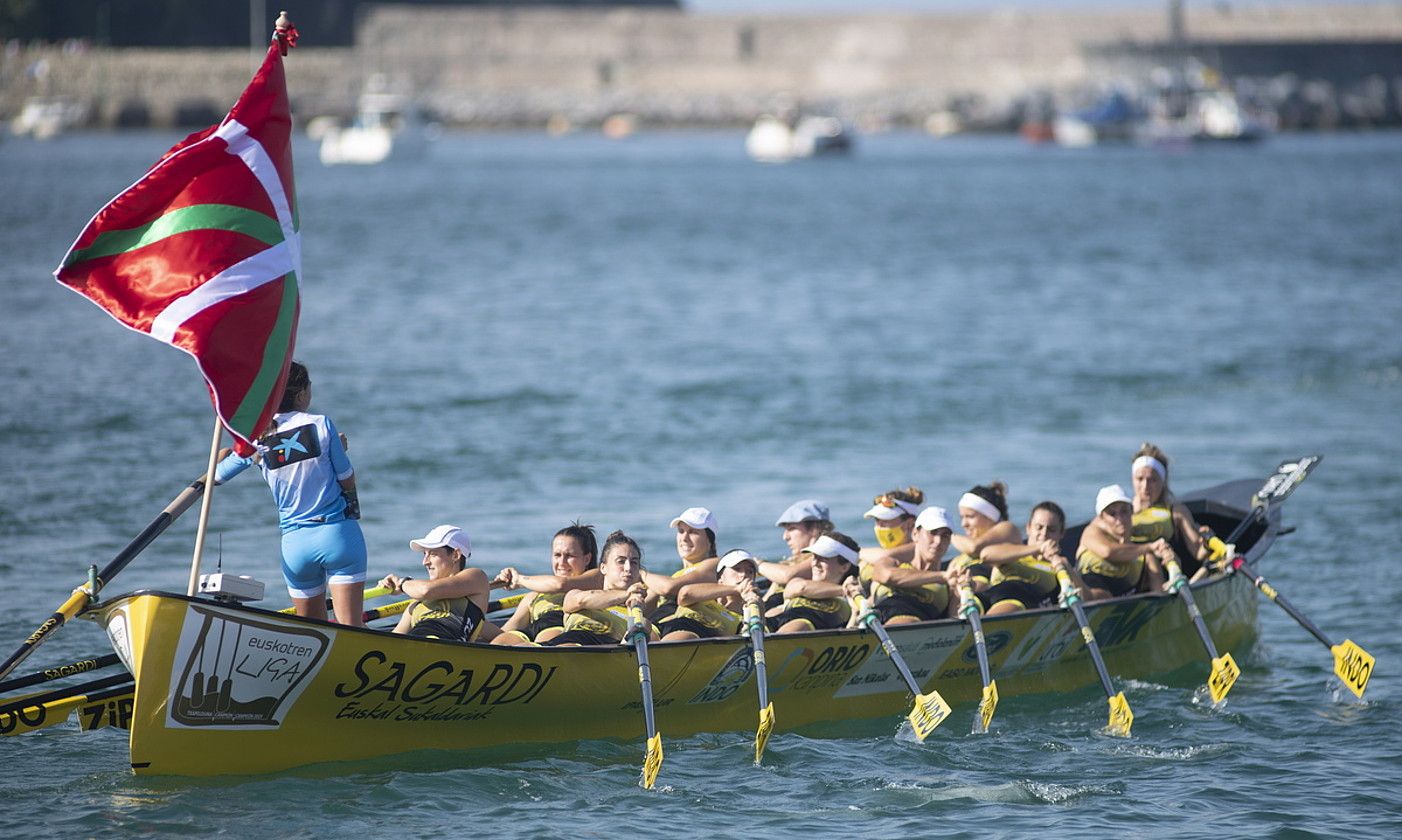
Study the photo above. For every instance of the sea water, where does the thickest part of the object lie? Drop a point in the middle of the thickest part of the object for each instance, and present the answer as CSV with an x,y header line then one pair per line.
x,y
517,332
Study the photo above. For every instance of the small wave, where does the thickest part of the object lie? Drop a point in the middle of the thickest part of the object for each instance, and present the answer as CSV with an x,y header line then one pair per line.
x,y
1173,753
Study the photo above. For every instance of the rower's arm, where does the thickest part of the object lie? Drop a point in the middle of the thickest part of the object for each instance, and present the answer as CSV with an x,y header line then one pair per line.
x,y
1002,553
817,590
554,584
468,583
521,618
900,554
1187,528
667,587
695,593
594,599
908,578
1113,552
781,573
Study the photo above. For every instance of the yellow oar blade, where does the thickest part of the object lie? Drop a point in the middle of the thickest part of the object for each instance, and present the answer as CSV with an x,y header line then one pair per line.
x,y
929,712
1223,677
987,704
41,716
1121,718
653,762
1353,665
766,726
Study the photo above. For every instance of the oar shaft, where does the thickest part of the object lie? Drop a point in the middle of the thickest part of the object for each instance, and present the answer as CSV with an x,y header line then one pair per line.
x,y
62,693
761,668
1179,584
81,597
1094,648
1270,592
58,672
892,651
971,615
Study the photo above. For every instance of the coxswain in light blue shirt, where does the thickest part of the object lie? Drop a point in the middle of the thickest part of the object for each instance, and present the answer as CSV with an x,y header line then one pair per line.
x,y
313,483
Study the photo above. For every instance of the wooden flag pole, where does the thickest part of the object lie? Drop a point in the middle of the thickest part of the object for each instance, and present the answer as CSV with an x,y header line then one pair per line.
x,y
194,586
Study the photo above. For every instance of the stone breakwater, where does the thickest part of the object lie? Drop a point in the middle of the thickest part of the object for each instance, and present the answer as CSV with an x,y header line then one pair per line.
x,y
523,67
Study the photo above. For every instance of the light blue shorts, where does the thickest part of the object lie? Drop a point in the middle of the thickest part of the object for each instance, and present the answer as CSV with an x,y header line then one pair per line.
x,y
315,555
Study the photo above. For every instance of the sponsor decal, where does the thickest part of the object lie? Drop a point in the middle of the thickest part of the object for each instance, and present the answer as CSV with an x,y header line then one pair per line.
x,y
119,634
923,652
805,670
733,674
382,688
237,672
23,720
993,641
115,713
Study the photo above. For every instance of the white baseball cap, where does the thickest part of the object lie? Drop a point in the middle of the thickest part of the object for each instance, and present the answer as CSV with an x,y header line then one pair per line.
x,y
698,517
901,508
933,519
1109,495
735,557
444,535
803,510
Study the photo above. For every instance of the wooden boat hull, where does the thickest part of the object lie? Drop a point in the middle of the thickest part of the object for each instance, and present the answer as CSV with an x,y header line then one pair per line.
x,y
227,689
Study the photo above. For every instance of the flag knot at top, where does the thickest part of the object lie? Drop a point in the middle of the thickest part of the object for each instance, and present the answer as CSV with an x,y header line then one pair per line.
x,y
285,33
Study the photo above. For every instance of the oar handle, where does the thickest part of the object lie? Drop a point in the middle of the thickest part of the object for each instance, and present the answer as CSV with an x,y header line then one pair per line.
x,y
1069,594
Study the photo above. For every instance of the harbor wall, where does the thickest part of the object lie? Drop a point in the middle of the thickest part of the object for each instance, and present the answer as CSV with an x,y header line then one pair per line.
x,y
497,66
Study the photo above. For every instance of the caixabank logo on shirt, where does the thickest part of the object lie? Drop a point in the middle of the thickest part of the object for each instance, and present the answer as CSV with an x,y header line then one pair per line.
x,y
236,672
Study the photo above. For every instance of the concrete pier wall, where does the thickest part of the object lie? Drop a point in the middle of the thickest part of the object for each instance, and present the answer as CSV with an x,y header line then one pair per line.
x,y
502,66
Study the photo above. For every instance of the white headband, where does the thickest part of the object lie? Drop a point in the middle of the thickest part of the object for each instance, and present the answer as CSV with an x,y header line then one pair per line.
x,y
982,505
826,546
1152,463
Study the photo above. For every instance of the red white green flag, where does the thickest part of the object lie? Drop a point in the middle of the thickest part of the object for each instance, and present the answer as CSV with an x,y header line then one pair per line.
x,y
203,253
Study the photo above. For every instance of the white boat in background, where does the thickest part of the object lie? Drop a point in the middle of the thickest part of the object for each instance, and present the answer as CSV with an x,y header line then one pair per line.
x,y
773,140
386,125
46,117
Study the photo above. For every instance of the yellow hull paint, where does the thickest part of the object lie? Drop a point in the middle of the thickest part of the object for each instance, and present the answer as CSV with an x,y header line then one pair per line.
x,y
232,690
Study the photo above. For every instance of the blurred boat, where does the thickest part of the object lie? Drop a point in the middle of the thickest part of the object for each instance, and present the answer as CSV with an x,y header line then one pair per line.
x,y
1113,119
46,117
386,125
773,140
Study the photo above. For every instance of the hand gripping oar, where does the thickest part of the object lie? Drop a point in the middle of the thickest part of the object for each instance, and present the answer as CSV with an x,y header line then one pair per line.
x,y
766,708
83,595
1121,718
652,762
929,710
1224,668
989,701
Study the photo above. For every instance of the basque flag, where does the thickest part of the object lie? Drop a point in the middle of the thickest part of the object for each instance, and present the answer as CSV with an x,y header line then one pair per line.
x,y
203,253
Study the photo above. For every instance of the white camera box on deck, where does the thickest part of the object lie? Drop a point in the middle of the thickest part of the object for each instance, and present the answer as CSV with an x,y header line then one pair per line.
x,y
233,587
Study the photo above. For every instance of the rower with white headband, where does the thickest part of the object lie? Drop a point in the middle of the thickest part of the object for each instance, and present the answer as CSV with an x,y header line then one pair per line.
x,y
1158,516
819,602
983,514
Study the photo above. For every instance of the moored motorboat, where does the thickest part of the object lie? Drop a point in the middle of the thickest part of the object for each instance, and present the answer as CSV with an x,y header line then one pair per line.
x,y
227,688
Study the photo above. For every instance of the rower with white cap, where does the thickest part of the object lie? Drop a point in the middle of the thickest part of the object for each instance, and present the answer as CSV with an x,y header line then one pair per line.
x,y
820,602
711,610
803,522
893,514
1109,563
917,590
451,603
696,546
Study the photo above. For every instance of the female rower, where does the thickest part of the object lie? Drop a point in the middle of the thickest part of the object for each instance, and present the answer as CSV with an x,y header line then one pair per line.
x,y
983,514
696,546
600,616
452,602
1024,574
304,462
1157,515
1109,563
540,617
904,593
819,602
709,610
803,522
893,514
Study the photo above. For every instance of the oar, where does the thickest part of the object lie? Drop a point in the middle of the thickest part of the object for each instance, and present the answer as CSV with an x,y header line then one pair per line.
x,y
1121,718
652,762
505,603
40,711
58,672
766,708
989,701
84,594
929,710
1224,668
1352,664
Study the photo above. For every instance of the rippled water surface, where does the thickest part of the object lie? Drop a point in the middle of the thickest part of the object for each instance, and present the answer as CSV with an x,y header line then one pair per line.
x,y
518,331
